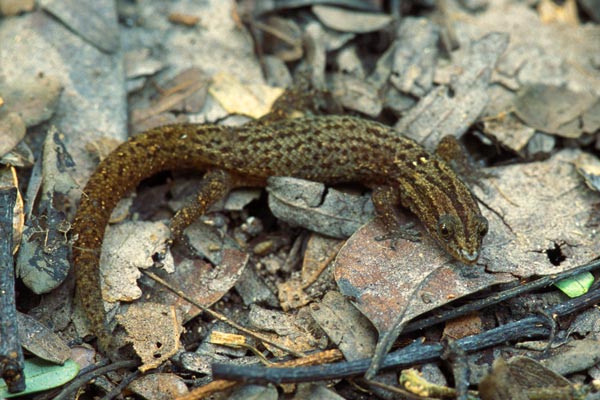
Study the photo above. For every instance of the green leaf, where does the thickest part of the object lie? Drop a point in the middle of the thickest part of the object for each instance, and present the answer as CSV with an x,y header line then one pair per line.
x,y
42,375
577,285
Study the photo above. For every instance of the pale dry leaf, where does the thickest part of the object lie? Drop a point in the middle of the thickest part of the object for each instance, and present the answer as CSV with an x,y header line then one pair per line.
x,y
160,386
347,328
154,331
544,208
253,100
126,248
344,20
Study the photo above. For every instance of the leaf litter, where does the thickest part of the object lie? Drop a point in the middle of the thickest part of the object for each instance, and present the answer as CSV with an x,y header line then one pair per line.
x,y
541,214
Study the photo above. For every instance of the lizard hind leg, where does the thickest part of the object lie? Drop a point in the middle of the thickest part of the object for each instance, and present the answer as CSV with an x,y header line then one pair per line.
x,y
215,185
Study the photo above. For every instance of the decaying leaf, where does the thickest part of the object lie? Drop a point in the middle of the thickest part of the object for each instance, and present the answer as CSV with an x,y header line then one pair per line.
x,y
320,251
41,340
289,330
205,283
467,325
291,294
159,386
554,109
185,92
519,377
154,331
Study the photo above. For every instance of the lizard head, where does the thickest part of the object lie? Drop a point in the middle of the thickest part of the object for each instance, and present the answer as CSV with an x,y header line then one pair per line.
x,y
447,208
461,237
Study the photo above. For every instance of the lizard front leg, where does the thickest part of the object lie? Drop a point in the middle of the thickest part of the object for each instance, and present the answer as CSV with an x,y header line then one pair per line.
x,y
386,200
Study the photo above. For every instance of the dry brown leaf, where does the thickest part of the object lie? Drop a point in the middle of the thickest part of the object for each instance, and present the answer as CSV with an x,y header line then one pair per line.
x,y
205,283
466,325
408,281
320,251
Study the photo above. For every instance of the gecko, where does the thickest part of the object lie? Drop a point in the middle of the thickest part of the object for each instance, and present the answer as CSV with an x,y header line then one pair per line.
x,y
329,149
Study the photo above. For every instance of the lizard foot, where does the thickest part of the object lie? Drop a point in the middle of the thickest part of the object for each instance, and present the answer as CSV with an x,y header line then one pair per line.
x,y
405,232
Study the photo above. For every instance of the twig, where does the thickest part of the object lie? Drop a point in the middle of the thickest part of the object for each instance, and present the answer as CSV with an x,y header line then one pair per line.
x,y
11,355
416,353
499,297
75,384
220,385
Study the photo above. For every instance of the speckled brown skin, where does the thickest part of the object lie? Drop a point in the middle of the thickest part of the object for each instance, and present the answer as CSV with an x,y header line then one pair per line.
x,y
327,149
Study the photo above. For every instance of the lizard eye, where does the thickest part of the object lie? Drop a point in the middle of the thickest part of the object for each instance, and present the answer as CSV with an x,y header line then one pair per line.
x,y
446,226
482,230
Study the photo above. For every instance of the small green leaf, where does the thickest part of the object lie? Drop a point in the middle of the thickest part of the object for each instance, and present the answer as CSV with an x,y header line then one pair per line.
x,y
42,375
577,285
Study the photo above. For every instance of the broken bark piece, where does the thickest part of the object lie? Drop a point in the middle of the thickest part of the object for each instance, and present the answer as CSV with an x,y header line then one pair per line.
x,y
415,56
91,20
311,205
11,355
452,110
553,109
